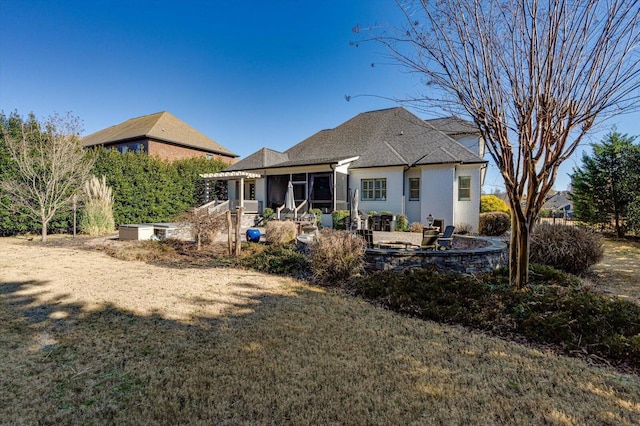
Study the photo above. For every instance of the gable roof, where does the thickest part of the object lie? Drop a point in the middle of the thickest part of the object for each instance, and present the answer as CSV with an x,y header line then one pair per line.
x,y
380,138
558,200
161,126
453,126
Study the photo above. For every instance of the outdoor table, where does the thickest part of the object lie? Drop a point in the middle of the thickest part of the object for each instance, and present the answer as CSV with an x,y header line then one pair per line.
x,y
394,245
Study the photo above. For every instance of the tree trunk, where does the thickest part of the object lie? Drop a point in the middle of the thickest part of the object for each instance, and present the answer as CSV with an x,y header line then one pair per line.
x,y
44,231
519,252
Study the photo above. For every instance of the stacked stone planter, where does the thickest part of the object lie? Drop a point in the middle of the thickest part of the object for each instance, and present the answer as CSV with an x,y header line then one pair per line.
x,y
487,256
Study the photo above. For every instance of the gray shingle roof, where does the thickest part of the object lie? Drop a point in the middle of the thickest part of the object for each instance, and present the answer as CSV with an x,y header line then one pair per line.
x,y
453,126
261,159
161,126
381,138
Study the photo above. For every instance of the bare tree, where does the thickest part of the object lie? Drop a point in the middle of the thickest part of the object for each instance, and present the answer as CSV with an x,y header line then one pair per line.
x,y
534,76
51,166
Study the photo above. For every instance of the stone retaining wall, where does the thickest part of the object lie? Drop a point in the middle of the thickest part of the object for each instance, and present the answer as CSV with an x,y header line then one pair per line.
x,y
468,261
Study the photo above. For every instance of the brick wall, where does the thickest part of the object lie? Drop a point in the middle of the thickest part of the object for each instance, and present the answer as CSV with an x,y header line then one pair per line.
x,y
175,152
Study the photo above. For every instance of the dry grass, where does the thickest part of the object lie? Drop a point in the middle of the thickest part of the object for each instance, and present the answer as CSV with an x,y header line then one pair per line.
x,y
284,353
281,232
97,217
618,273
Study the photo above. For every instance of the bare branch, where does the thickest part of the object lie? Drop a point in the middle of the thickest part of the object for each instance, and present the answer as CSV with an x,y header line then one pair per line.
x,y
533,76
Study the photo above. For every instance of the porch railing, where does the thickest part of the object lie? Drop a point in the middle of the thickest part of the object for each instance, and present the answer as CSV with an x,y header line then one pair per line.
x,y
220,206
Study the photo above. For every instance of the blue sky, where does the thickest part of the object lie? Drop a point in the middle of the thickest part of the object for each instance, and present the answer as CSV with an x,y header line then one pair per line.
x,y
247,74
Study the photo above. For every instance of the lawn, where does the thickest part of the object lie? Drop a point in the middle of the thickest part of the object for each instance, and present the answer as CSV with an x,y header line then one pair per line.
x,y
618,274
89,339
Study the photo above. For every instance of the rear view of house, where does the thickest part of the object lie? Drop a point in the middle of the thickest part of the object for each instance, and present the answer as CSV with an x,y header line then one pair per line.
x,y
162,135
397,162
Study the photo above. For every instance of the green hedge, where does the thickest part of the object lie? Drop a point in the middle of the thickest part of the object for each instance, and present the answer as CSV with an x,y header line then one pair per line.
x,y
147,189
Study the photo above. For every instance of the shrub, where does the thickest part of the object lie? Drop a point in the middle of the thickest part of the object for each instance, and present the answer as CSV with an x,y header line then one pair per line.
x,y
281,232
491,203
568,248
279,259
494,223
415,227
318,214
553,309
463,228
267,214
372,212
336,257
97,218
147,189
338,217
402,223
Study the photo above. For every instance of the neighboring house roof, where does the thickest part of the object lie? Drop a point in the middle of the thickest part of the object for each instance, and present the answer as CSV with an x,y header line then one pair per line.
x,y
161,126
390,137
558,201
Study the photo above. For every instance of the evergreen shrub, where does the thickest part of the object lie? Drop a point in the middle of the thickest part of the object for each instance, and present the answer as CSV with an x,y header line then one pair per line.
x,y
494,223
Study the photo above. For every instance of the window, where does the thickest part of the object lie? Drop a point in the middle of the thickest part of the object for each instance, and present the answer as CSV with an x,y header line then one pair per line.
x,y
414,189
464,188
374,189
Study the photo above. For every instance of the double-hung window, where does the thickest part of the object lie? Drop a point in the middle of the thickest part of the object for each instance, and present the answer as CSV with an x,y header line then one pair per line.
x,y
414,189
464,188
374,189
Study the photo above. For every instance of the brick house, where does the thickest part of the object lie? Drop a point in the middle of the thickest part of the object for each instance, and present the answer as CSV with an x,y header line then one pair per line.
x,y
160,134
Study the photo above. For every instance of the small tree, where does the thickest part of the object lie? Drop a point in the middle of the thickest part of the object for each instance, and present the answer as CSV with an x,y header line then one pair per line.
x,y
51,165
607,182
203,226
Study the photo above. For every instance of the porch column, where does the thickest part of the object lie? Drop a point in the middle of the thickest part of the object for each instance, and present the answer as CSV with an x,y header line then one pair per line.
x,y
241,192
335,189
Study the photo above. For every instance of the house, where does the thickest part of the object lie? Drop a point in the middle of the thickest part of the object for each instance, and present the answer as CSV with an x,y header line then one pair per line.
x,y
559,203
160,134
397,162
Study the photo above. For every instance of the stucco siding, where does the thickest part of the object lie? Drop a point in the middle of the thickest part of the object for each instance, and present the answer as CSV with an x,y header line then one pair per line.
x,y
436,190
393,175
466,212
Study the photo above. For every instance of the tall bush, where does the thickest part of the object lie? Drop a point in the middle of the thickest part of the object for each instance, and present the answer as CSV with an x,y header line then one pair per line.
x,y
147,189
494,223
491,203
568,248
97,217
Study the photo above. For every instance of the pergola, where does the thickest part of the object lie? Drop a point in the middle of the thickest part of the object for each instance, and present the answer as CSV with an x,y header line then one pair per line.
x,y
232,176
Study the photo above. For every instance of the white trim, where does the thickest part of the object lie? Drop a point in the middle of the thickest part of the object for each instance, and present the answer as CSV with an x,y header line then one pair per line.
x,y
231,175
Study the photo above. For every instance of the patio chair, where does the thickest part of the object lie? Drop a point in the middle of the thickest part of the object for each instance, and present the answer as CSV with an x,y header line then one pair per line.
x,y
367,234
444,242
429,239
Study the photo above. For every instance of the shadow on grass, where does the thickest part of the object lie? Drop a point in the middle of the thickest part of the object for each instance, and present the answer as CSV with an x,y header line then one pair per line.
x,y
307,358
